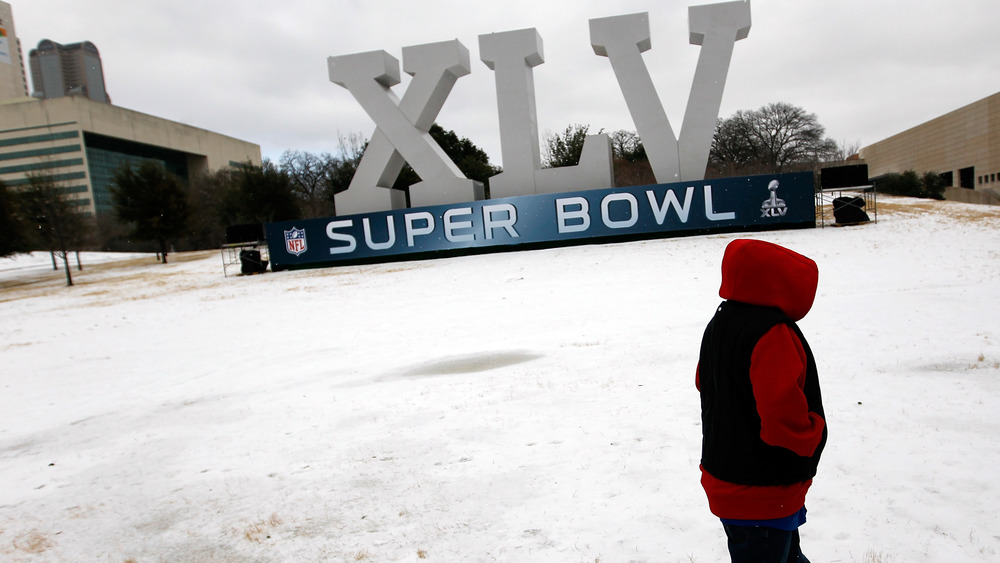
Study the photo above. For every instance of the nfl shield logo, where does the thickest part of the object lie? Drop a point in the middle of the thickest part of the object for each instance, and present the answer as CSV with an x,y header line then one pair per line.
x,y
295,241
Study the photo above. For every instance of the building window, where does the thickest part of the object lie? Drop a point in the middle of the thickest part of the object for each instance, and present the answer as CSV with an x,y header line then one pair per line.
x,y
45,165
53,177
38,138
40,152
967,177
105,155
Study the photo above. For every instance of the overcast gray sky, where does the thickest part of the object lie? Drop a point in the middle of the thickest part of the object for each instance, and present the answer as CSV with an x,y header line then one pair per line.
x,y
257,70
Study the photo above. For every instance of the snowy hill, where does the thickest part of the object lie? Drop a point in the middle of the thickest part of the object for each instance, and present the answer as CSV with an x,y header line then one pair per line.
x,y
531,406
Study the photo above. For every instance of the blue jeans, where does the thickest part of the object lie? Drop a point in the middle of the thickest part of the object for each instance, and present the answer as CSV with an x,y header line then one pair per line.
x,y
760,544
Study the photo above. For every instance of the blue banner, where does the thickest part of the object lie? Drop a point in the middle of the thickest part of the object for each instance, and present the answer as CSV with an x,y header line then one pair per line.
x,y
749,203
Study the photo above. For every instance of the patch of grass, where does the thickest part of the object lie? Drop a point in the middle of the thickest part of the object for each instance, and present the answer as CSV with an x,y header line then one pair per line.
x,y
954,210
32,542
102,280
872,556
261,529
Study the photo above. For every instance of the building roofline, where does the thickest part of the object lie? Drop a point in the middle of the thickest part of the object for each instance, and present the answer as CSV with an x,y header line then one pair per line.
x,y
945,115
82,100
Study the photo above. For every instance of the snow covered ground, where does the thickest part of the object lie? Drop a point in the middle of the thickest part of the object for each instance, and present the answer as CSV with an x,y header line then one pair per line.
x,y
529,406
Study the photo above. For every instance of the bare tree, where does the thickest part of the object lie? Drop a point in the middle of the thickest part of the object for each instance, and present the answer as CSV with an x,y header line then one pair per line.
x,y
309,174
775,138
627,145
630,161
734,148
55,224
846,149
352,148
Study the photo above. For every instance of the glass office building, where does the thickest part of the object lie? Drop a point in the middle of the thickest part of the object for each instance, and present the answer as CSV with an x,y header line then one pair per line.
x,y
80,143
67,70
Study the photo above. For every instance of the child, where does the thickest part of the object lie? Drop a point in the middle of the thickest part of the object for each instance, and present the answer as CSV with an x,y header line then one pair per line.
x,y
763,427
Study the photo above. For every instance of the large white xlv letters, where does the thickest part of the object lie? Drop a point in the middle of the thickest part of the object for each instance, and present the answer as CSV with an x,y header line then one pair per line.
x,y
512,55
403,125
623,39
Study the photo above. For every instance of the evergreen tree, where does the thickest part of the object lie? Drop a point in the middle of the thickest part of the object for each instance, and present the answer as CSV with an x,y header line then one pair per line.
x,y
911,184
12,228
152,201
934,185
564,149
471,160
206,194
259,194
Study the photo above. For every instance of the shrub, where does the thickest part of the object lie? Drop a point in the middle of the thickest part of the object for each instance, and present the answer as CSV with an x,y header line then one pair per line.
x,y
909,184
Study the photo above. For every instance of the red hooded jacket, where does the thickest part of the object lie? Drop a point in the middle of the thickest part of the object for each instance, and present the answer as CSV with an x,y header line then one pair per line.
x,y
763,425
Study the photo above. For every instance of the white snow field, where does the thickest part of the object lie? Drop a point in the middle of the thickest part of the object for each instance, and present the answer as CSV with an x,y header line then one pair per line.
x,y
522,406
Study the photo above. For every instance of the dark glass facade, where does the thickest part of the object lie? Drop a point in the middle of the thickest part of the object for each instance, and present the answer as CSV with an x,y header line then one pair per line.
x,y
105,155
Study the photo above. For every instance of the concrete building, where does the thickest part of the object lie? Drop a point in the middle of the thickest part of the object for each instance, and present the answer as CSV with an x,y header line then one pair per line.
x,y
963,146
67,70
13,81
80,143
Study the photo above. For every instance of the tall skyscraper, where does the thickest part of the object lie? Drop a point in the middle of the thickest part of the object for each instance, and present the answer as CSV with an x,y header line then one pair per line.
x,y
67,70
12,79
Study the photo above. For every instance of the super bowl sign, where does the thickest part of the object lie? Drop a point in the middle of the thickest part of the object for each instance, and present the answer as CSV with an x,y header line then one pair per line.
x,y
402,123
736,204
534,206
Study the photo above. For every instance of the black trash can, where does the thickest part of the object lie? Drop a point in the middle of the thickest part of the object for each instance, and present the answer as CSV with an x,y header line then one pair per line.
x,y
849,210
251,262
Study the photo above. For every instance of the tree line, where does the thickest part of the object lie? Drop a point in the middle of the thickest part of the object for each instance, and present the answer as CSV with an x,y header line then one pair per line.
x,y
158,212
778,137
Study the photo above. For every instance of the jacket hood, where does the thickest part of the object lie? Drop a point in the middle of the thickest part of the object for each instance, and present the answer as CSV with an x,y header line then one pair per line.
x,y
761,273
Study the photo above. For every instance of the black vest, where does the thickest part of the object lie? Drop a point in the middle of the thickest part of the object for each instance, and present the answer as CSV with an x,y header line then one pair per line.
x,y
731,446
